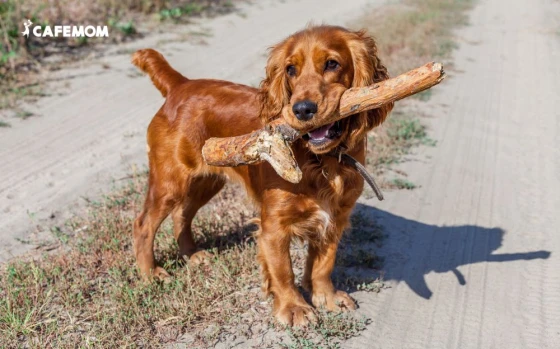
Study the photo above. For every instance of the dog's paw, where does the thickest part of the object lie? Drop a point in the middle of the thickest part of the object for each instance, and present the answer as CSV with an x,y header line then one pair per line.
x,y
296,315
161,274
156,273
336,301
199,257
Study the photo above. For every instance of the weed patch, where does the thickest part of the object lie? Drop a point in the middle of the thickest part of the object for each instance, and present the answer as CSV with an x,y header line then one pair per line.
x,y
329,332
400,183
413,32
23,59
389,144
91,294
409,34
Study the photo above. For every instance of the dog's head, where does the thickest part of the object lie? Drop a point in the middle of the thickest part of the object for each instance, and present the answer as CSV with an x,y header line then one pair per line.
x,y
306,75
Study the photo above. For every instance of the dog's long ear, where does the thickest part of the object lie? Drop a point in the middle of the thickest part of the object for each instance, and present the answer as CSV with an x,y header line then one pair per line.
x,y
368,69
367,65
274,92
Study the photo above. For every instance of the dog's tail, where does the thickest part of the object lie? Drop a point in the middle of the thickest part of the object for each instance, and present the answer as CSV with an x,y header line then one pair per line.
x,y
154,64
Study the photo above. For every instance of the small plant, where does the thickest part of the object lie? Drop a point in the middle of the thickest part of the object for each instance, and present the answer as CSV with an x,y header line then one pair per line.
x,y
374,286
60,235
389,144
402,184
126,28
407,129
7,56
179,12
192,9
329,332
174,13
23,114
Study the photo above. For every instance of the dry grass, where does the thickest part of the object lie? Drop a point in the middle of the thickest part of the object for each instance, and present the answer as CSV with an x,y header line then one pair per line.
x,y
89,294
414,32
22,60
390,144
408,35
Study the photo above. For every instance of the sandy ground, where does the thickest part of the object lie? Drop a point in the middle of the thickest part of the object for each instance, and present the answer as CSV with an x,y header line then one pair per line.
x,y
471,256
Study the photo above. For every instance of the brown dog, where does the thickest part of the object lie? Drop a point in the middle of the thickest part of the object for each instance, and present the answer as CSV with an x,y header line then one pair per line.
x,y
308,72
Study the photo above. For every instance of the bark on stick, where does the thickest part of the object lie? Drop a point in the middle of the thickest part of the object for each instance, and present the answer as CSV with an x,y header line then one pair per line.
x,y
272,143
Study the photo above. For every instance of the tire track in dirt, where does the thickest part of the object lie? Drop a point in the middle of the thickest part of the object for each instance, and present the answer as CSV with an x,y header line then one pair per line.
x,y
473,254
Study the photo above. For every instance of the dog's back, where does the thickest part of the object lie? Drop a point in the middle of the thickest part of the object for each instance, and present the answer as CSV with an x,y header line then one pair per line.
x,y
194,110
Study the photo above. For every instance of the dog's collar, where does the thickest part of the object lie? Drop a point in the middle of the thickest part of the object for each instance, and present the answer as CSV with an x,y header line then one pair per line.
x,y
343,157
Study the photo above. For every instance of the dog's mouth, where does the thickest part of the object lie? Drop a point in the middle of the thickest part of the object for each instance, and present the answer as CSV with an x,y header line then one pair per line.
x,y
323,136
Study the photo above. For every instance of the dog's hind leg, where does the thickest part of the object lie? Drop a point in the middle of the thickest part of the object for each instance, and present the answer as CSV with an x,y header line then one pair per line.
x,y
156,208
200,191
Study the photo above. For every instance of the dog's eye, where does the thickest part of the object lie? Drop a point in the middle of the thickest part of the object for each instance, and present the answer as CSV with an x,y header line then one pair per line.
x,y
331,65
291,70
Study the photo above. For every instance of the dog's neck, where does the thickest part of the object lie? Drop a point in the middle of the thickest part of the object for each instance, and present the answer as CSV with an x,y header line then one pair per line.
x,y
333,161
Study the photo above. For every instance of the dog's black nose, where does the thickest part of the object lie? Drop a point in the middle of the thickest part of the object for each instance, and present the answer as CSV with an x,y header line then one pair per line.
x,y
304,110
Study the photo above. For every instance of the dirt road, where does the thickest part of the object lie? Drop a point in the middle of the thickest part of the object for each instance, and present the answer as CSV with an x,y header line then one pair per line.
x,y
473,256
95,130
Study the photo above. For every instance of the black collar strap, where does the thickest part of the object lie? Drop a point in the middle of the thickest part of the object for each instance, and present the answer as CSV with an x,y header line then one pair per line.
x,y
350,161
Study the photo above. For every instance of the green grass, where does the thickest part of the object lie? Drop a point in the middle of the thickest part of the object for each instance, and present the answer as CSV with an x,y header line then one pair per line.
x,y
400,183
4,124
407,130
177,13
127,28
389,144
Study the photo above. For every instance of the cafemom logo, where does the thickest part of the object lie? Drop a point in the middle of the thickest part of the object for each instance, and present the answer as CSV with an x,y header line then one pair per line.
x,y
66,31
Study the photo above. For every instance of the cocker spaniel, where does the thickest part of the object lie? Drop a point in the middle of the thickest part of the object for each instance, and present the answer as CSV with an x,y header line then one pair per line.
x,y
306,75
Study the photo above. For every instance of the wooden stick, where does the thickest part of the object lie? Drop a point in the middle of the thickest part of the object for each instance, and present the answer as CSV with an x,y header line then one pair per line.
x,y
272,143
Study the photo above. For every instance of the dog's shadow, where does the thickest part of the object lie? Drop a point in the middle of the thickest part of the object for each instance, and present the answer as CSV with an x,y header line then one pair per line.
x,y
400,249
411,249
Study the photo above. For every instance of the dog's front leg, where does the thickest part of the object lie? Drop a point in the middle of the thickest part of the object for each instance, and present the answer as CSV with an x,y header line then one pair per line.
x,y
278,277
317,278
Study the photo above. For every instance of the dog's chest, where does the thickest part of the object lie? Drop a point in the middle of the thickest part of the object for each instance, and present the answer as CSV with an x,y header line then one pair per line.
x,y
334,191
